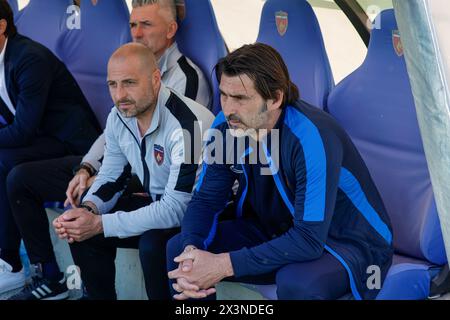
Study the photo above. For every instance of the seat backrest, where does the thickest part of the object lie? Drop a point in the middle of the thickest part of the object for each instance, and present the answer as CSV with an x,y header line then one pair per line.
x,y
291,27
376,107
14,7
86,51
44,21
199,39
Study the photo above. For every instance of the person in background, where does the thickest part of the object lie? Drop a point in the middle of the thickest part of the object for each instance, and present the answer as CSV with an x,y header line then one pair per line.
x,y
43,115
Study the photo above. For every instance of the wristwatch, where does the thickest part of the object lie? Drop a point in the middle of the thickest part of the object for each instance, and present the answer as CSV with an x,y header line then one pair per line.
x,y
88,208
86,167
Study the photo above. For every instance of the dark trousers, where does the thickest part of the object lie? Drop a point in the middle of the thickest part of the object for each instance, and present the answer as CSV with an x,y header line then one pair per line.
x,y
324,278
31,184
96,256
41,148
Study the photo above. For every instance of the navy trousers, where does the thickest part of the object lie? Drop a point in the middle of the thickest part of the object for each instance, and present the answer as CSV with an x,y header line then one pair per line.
x,y
324,278
40,149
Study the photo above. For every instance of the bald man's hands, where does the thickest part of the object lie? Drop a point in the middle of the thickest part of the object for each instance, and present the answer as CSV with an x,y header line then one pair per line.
x,y
78,225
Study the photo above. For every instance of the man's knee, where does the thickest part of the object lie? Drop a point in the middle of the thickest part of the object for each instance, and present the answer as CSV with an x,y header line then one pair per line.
x,y
173,248
17,180
6,163
293,286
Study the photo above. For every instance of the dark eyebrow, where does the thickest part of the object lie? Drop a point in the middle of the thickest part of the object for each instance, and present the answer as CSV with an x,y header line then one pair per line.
x,y
128,80
236,96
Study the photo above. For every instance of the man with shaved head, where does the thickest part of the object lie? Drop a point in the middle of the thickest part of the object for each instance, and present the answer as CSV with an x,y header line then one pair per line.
x,y
151,131
144,133
153,24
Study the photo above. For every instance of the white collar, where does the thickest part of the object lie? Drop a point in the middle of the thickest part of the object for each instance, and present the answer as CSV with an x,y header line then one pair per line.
x,y
169,58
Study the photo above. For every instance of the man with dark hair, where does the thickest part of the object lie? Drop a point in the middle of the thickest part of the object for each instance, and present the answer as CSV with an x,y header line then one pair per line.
x,y
43,115
308,215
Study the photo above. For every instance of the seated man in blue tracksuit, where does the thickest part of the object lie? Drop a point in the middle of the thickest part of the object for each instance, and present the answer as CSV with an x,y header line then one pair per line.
x,y
307,214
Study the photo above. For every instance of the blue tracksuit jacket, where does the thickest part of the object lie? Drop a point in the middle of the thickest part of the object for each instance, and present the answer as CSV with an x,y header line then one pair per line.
x,y
321,198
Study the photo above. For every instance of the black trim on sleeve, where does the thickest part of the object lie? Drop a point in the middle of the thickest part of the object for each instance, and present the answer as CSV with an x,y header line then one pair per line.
x,y
188,122
107,191
191,90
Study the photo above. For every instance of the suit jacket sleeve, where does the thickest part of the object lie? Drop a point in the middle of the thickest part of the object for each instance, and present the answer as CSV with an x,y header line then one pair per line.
x,y
34,78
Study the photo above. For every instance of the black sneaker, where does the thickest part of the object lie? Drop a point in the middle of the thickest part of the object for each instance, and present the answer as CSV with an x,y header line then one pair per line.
x,y
43,289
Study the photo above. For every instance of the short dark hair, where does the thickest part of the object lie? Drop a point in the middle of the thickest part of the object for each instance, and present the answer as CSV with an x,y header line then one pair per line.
x,y
7,14
265,66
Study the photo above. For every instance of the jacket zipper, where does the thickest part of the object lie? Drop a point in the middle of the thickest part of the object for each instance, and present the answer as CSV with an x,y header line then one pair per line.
x,y
143,148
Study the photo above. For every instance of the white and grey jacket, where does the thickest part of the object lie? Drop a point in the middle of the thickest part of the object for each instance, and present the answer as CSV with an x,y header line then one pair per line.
x,y
166,160
178,73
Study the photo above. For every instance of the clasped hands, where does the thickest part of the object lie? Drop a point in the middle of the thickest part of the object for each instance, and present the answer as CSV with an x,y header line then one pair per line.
x,y
77,224
198,272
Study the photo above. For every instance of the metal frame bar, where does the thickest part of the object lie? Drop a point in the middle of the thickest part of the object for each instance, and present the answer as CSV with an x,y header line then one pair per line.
x,y
357,16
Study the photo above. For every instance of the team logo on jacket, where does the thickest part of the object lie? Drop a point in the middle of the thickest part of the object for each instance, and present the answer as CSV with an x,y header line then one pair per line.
x,y
158,152
397,42
281,19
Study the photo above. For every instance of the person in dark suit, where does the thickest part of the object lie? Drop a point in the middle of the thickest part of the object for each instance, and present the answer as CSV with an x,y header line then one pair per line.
x,y
43,115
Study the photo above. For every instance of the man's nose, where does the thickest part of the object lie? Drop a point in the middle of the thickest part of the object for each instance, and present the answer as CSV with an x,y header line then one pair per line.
x,y
120,93
137,31
228,108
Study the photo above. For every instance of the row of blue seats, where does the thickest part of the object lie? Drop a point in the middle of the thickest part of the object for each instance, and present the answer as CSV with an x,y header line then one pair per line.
x,y
104,27
374,104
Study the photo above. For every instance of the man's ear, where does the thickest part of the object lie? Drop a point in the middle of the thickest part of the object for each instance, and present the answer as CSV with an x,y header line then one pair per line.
x,y
172,30
156,79
276,103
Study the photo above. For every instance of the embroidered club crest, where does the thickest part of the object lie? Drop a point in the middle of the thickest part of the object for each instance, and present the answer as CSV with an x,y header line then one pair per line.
x,y
158,152
281,19
397,43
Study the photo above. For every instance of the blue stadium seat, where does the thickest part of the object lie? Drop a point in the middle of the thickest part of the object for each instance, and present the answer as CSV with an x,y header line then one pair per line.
x,y
199,38
86,51
44,21
376,107
291,27
15,8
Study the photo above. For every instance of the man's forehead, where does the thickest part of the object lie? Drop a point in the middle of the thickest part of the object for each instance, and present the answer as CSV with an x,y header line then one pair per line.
x,y
237,85
122,66
147,12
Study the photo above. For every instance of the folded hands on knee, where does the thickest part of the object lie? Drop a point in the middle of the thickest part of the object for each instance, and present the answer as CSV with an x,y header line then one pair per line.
x,y
198,272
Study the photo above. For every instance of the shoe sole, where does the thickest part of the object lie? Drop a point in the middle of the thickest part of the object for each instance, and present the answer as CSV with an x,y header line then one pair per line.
x,y
61,296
